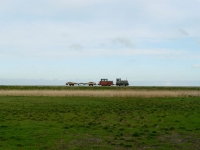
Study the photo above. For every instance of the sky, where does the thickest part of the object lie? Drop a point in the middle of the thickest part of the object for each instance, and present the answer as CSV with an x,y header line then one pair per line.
x,y
148,42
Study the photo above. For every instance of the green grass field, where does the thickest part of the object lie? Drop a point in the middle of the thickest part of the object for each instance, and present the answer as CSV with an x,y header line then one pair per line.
x,y
96,88
99,123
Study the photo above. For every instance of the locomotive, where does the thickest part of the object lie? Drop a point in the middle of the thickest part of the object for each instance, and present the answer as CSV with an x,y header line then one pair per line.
x,y
120,82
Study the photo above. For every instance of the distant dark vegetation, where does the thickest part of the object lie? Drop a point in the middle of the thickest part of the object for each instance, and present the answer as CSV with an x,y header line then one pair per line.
x,y
96,88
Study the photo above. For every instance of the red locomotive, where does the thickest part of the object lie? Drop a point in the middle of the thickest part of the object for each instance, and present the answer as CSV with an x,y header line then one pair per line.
x,y
105,82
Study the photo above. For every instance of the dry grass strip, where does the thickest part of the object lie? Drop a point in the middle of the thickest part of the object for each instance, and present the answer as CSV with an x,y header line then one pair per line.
x,y
100,93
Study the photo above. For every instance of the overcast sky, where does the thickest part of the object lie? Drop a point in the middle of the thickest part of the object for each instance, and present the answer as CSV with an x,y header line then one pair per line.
x,y
85,40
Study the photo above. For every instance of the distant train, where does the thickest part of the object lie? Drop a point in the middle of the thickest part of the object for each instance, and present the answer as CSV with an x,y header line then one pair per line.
x,y
102,82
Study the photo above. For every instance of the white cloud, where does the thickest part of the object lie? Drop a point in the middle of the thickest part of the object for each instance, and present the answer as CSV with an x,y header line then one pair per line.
x,y
76,3
64,29
157,9
91,53
38,6
197,65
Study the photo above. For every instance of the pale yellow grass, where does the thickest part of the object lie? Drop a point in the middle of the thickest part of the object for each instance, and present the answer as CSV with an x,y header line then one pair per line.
x,y
101,93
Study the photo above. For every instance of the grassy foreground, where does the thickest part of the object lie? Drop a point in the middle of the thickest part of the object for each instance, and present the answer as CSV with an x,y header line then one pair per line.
x,y
99,123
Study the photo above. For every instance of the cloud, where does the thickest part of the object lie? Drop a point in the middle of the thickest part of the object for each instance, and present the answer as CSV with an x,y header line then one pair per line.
x,y
198,42
197,65
183,32
91,53
76,46
132,60
124,41
65,35
64,29
74,3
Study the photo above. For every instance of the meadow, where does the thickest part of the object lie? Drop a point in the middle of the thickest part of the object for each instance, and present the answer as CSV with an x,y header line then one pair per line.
x,y
28,122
